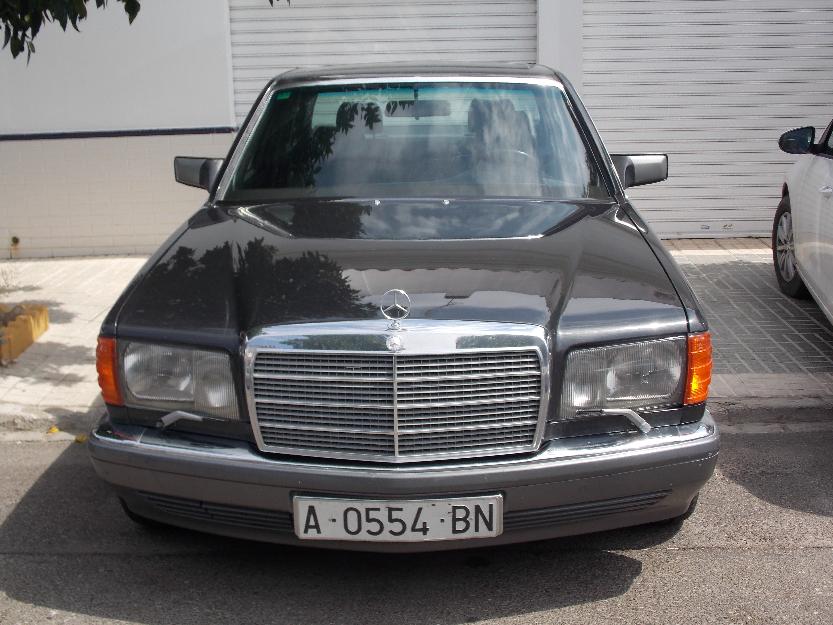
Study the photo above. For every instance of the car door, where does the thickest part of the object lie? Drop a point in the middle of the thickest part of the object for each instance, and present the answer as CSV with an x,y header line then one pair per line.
x,y
818,202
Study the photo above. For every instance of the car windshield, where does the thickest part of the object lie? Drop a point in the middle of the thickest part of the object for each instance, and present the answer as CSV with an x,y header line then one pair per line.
x,y
417,140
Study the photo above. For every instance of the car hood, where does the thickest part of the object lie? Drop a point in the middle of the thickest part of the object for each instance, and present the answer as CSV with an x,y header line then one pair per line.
x,y
585,273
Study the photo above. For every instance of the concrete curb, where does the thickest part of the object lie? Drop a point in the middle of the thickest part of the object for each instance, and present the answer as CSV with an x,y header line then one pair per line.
x,y
771,409
40,437
17,420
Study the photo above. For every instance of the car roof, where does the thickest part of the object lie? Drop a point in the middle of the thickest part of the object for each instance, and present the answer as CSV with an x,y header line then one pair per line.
x,y
401,70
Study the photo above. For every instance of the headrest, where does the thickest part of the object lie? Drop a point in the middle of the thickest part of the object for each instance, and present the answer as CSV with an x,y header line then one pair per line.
x,y
499,123
484,113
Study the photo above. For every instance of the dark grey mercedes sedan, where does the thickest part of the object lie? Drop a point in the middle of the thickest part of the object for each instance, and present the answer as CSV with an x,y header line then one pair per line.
x,y
417,311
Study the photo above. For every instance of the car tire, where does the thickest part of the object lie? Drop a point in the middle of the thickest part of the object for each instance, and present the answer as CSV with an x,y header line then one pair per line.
x,y
783,252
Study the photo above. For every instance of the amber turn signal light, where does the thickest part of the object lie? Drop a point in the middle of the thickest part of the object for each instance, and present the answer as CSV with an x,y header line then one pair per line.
x,y
699,368
106,358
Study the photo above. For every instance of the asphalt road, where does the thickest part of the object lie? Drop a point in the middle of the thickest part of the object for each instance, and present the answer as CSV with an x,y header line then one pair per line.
x,y
759,549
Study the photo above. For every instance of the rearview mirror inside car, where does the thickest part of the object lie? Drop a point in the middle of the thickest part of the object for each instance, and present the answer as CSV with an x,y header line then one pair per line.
x,y
639,169
798,140
197,172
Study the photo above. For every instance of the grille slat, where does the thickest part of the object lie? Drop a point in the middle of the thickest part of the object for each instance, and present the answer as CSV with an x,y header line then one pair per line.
x,y
467,415
328,365
370,418
468,427
309,439
324,428
359,404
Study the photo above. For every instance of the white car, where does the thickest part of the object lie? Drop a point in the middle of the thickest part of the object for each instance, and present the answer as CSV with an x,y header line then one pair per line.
x,y
802,232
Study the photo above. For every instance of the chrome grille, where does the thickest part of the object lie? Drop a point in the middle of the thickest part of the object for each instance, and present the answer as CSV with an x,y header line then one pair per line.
x,y
397,407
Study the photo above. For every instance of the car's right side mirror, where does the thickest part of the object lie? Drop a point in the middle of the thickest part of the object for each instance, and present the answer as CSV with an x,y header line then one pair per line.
x,y
197,172
639,169
798,140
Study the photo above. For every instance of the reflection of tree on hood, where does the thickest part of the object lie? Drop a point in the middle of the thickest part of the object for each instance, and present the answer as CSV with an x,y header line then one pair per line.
x,y
192,289
308,287
183,281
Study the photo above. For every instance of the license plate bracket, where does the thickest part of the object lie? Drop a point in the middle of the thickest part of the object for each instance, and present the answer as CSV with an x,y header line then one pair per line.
x,y
398,520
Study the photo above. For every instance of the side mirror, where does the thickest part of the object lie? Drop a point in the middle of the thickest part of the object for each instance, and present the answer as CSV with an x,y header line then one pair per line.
x,y
639,169
798,141
197,172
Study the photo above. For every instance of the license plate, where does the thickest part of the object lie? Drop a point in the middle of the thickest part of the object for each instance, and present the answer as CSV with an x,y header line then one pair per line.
x,y
318,518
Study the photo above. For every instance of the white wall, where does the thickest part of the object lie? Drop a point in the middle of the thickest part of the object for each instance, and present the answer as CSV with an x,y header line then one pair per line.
x,y
170,69
117,195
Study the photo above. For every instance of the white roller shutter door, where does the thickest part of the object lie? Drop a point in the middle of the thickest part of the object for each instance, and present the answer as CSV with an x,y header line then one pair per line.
x,y
266,41
713,83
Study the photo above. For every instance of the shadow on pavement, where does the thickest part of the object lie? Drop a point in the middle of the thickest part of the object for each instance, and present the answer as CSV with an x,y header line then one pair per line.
x,y
67,546
47,361
789,470
77,420
57,313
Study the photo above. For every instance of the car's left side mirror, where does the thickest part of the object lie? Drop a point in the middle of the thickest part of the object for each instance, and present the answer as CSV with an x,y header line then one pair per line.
x,y
197,172
639,169
798,140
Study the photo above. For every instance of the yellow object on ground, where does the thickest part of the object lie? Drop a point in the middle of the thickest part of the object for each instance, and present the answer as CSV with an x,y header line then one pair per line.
x,y
21,331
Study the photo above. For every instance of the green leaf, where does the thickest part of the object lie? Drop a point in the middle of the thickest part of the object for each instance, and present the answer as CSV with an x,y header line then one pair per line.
x,y
132,7
21,20
16,46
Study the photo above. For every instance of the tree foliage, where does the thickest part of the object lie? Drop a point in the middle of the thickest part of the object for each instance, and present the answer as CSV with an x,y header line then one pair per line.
x,y
21,20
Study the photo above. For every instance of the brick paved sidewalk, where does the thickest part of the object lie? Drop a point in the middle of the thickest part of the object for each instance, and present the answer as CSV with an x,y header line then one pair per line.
x,y
767,346
55,381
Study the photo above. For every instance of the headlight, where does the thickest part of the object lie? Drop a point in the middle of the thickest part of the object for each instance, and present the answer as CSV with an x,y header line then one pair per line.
x,y
636,375
177,378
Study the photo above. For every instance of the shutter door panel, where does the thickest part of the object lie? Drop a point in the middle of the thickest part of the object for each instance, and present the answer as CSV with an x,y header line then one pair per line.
x,y
266,41
713,83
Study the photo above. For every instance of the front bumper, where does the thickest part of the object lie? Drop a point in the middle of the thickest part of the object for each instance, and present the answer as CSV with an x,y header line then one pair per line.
x,y
572,486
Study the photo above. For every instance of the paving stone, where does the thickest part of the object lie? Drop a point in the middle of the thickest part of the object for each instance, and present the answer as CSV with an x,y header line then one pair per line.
x,y
755,328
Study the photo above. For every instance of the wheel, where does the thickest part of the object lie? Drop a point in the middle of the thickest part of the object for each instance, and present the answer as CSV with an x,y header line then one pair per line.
x,y
138,519
783,252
